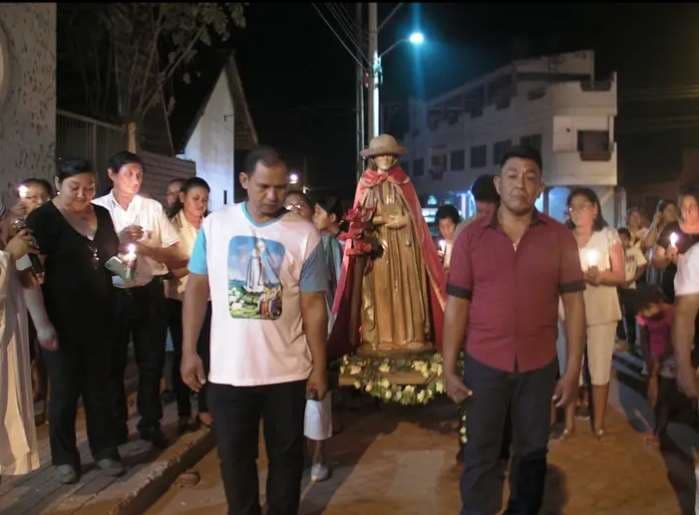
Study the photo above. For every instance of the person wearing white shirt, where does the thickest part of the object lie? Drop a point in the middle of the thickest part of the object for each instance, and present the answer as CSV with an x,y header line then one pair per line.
x,y
268,333
684,324
142,225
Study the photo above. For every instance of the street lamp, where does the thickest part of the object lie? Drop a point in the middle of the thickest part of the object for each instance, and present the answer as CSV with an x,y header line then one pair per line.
x,y
416,38
293,178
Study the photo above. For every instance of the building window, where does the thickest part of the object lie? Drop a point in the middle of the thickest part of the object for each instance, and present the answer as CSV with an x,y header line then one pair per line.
x,y
457,160
594,145
438,166
479,156
499,150
419,167
531,141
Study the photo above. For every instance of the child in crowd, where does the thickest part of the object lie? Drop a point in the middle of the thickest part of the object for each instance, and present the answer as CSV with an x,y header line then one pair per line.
x,y
635,267
655,321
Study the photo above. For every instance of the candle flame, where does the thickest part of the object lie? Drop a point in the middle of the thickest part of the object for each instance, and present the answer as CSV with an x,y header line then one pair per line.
x,y
592,257
673,239
23,191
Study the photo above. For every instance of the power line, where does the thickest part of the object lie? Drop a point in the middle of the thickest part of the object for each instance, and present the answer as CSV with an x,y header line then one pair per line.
x,y
357,60
349,30
354,26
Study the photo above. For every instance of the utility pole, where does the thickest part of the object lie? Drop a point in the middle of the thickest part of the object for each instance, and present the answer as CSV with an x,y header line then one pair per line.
x,y
360,94
375,72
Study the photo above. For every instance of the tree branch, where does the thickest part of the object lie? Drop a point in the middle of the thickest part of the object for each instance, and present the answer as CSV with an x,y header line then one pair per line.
x,y
170,69
157,27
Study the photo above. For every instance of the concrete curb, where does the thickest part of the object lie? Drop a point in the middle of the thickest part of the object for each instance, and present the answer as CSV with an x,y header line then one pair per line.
x,y
164,473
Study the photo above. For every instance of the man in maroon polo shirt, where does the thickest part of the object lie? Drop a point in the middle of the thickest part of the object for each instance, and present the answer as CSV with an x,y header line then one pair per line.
x,y
507,274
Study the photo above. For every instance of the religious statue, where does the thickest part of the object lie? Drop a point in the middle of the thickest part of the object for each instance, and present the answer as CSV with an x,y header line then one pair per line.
x,y
390,298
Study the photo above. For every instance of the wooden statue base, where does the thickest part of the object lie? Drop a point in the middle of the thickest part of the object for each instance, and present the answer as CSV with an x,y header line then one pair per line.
x,y
400,378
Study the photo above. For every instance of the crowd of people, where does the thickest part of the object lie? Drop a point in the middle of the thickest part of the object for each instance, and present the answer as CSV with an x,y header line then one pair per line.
x,y
243,298
83,277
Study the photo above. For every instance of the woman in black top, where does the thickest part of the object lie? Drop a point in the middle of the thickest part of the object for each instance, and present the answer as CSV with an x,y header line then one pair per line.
x,y
75,240
686,233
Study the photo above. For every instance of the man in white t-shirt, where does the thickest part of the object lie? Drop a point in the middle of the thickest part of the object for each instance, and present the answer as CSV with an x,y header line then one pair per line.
x,y
684,324
140,302
265,272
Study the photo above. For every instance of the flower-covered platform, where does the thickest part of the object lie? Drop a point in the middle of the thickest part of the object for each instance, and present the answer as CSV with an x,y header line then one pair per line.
x,y
404,380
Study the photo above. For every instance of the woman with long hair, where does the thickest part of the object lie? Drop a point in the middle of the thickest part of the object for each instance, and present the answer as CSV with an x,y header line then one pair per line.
x,y
602,260
186,215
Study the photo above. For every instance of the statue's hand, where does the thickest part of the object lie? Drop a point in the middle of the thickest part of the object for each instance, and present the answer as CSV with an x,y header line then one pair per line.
x,y
397,221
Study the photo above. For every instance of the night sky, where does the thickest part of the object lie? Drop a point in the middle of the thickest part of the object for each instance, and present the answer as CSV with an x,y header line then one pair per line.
x,y
300,82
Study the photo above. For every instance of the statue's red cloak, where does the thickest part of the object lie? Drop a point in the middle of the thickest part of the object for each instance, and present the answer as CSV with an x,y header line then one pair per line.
x,y
339,341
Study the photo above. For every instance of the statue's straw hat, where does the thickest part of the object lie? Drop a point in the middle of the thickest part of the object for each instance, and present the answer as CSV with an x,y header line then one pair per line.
x,y
382,145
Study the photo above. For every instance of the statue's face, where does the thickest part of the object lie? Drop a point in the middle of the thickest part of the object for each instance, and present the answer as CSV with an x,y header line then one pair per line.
x,y
385,163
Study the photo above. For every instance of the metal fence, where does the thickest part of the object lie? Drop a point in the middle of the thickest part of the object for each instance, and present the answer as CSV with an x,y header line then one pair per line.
x,y
82,137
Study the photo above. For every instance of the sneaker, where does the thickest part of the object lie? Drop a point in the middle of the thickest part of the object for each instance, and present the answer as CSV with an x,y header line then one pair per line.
x,y
66,474
319,472
156,437
111,467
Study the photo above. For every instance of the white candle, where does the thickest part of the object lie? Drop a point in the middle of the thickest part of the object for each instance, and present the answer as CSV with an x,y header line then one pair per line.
x,y
673,239
130,253
130,259
23,191
592,257
443,246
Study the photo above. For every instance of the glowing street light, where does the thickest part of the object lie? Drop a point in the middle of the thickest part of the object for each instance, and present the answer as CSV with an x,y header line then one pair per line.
x,y
417,38
293,178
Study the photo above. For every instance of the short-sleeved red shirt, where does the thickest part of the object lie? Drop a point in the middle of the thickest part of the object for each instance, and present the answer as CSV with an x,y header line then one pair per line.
x,y
514,293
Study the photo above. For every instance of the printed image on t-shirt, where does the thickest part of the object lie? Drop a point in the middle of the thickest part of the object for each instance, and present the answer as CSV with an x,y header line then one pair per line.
x,y
254,287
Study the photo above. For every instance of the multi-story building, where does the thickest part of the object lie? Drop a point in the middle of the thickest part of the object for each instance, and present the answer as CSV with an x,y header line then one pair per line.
x,y
551,103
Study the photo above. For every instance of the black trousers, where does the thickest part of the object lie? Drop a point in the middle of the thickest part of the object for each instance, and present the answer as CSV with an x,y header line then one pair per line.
x,y
526,397
77,369
182,391
141,316
237,412
671,403
629,301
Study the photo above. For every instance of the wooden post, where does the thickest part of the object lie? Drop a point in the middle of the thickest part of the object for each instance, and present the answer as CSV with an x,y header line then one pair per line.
x,y
132,145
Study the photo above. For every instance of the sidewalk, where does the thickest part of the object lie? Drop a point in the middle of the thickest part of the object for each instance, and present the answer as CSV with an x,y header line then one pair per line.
x,y
150,472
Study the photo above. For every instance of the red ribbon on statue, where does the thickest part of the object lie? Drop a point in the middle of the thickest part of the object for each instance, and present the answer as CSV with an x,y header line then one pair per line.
x,y
359,219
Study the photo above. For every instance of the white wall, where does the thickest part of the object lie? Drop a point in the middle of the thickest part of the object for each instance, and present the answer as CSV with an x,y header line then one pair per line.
x,y
211,145
28,112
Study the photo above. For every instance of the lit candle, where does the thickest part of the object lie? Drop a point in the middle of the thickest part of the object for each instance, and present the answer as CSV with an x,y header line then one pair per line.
x,y
23,191
592,257
130,259
443,246
673,239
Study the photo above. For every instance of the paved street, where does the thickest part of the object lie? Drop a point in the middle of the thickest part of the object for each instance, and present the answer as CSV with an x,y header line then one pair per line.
x,y
395,460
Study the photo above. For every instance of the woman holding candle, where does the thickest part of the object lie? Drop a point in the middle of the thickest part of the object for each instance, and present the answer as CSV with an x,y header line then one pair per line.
x,y
676,238
75,240
602,260
186,216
